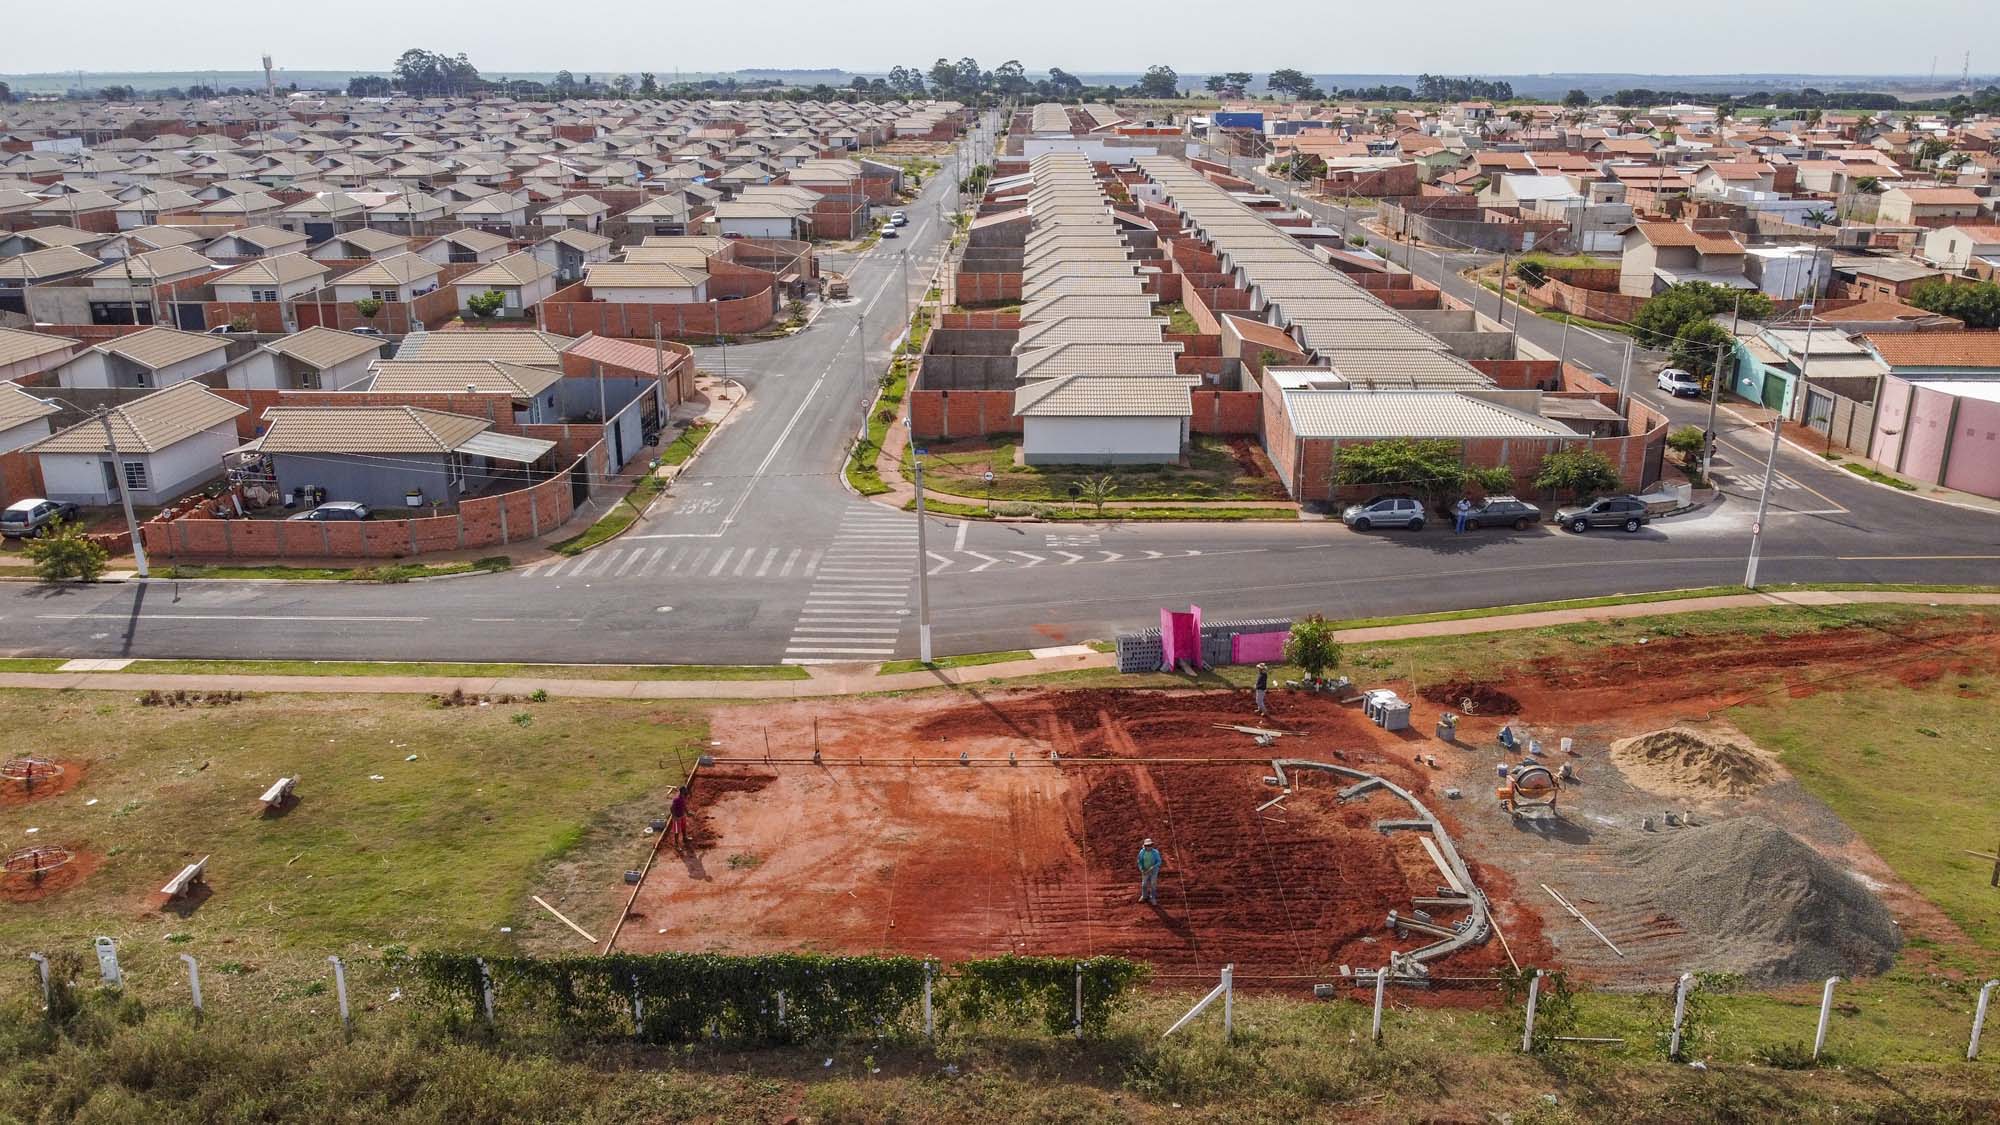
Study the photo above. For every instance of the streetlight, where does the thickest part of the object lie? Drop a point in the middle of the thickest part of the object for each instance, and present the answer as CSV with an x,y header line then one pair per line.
x,y
923,569
118,473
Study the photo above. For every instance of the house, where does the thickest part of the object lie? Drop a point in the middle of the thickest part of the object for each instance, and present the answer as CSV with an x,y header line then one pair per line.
x,y
1868,276
665,214
767,218
1937,417
646,283
402,277
12,243
1717,180
1929,207
319,216
525,281
40,268
24,419
168,442
150,357
1659,255
466,247
501,209
256,242
25,354
534,389
383,455
281,277
514,345
1084,419
1955,247
318,359
153,268
364,244
578,212
570,252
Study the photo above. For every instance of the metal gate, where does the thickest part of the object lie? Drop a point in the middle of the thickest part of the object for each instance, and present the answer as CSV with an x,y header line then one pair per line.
x,y
579,482
1819,410
1774,390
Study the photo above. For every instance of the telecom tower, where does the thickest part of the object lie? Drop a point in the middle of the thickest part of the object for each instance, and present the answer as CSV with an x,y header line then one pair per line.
x,y
270,84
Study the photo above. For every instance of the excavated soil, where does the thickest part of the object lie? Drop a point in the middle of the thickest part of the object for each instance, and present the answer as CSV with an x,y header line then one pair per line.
x,y
14,793
890,844
1691,763
1472,698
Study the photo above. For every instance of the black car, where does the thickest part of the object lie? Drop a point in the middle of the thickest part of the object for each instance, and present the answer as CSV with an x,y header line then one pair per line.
x,y
1503,511
1628,512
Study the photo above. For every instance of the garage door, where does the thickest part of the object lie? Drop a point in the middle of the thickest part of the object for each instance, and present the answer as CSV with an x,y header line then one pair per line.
x,y
1774,390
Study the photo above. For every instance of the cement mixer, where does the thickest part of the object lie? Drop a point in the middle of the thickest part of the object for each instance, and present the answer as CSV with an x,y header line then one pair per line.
x,y
1530,790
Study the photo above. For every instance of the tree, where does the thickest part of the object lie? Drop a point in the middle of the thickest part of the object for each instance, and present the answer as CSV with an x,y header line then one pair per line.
x,y
1063,83
1576,99
368,307
621,86
1627,116
1288,81
1667,314
63,551
1159,81
1977,303
6,94
1311,646
1700,346
1010,78
1686,441
1867,185
1581,472
564,84
649,84
1820,218
485,305
1098,489
1932,148
424,73
1303,167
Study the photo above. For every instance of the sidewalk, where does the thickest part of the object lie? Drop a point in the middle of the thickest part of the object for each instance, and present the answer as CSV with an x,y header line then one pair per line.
x,y
1810,443
861,679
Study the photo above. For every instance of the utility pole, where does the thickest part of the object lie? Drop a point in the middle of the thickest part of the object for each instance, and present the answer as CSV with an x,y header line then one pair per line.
x,y
124,495
1562,356
1714,394
1771,464
1502,310
923,571
861,358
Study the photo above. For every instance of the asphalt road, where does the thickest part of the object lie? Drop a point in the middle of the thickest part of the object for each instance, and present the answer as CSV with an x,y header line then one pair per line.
x,y
759,554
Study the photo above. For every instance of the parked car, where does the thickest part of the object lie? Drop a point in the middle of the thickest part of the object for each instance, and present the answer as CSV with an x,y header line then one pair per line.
x,y
1386,511
1628,512
334,510
1503,511
1679,383
899,219
366,330
26,518
889,231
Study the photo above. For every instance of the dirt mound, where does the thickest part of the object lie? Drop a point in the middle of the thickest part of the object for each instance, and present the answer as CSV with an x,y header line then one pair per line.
x,y
1770,907
1693,763
1471,697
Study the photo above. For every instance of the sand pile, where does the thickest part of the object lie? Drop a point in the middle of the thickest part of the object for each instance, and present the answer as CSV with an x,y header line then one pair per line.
x,y
1691,762
1768,906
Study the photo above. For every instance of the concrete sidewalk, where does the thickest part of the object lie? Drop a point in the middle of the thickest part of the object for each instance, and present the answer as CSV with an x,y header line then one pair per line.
x,y
861,679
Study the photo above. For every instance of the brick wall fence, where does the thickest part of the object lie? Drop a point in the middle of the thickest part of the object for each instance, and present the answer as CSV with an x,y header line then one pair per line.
x,y
1229,413
574,312
979,320
987,288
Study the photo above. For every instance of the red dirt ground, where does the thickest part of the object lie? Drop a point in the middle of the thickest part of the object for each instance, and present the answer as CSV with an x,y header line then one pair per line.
x,y
14,794
955,861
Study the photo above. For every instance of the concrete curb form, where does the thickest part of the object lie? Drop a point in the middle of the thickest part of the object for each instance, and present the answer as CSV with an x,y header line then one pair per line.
x,y
861,679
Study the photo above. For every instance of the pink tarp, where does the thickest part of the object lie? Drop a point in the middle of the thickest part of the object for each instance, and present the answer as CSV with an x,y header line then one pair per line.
x,y
1257,648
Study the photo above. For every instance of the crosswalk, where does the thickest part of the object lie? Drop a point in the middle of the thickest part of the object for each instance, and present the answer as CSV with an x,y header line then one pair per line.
x,y
859,603
1753,481
643,561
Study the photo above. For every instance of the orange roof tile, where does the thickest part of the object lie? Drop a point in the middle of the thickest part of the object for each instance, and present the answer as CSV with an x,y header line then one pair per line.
x,y
1938,349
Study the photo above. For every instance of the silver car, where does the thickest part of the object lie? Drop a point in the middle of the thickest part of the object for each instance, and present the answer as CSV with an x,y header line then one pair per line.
x,y
1389,511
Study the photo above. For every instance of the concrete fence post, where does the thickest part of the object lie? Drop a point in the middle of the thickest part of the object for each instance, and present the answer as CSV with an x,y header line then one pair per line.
x,y
1534,996
485,992
781,1007
1973,1049
340,993
194,980
1381,990
1079,999
1825,1011
638,1010
1229,1001
535,514
502,508
1680,1013
930,1026
42,969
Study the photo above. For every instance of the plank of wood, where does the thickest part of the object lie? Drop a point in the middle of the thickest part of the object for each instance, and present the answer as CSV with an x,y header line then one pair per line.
x,y
1437,857
563,920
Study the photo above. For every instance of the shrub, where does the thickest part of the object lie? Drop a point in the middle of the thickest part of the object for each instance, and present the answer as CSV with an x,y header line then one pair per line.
x,y
1311,646
1686,441
1583,472
485,305
65,552
368,307
1532,274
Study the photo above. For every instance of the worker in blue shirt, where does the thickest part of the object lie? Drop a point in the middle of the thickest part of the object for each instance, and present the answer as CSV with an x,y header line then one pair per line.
x,y
1150,862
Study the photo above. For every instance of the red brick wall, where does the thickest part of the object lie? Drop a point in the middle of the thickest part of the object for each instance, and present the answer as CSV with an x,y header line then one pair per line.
x,y
572,312
1235,413
980,320
1206,345
987,288
1207,366
20,476
962,414
264,316
1593,303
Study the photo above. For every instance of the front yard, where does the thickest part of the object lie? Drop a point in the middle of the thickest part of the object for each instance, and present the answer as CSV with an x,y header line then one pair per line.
x,y
1217,469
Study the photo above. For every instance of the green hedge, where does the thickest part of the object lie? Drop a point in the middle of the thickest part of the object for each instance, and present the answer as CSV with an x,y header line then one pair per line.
x,y
685,997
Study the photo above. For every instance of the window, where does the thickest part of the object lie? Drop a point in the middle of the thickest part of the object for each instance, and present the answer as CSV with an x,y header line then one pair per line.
x,y
386,296
264,296
142,378
135,476
309,380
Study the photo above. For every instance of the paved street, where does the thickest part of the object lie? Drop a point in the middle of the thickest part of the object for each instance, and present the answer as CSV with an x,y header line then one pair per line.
x,y
760,555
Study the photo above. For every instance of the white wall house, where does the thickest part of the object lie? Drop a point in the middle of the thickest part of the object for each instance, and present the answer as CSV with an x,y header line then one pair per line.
x,y
1086,419
401,278
169,442
523,279
646,283
155,357
318,359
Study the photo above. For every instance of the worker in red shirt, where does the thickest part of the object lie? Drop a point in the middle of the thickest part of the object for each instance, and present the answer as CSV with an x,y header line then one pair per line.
x,y
677,820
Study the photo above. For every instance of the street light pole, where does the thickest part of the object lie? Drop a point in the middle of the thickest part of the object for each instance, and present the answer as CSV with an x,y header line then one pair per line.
x,y
1708,432
1771,463
923,571
124,496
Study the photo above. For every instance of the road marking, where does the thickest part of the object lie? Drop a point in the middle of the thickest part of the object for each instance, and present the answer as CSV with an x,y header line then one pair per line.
x,y
652,561
679,554
943,561
851,651
860,626
701,556
1070,559
560,563
770,556
794,645
722,562
627,564
1912,558
812,561
990,560
963,527
790,561
274,618
744,561
1032,559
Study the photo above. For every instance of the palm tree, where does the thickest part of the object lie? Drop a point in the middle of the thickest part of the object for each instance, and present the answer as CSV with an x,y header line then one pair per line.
x,y
1818,218
1627,116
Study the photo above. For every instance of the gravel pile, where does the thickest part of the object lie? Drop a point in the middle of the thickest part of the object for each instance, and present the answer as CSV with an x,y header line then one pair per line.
x,y
1768,905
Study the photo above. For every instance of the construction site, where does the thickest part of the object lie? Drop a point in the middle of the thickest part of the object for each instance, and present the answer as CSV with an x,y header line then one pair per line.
x,y
1480,826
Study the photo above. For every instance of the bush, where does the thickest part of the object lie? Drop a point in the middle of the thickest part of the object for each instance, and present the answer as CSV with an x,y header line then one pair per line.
x,y
1311,646
1686,441
1667,315
368,307
485,305
63,552
1532,274
1583,472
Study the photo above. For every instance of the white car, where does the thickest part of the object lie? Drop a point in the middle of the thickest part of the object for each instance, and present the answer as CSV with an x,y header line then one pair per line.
x,y
1676,382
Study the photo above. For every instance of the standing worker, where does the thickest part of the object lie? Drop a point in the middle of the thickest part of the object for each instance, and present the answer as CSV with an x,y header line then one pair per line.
x,y
1461,510
1150,862
1263,685
677,820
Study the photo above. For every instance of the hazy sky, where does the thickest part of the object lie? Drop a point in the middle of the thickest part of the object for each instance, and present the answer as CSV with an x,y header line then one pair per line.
x,y
610,36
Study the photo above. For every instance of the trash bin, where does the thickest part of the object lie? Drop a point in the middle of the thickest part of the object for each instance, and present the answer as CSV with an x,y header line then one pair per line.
x,y
1447,727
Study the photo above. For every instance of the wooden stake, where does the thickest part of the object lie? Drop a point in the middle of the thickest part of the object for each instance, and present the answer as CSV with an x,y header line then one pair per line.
x,y
563,920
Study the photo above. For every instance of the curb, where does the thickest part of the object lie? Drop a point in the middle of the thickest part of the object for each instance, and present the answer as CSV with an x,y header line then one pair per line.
x,y
1838,467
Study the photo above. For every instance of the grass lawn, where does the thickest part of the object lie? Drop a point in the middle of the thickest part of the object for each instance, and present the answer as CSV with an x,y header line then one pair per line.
x,y
1216,470
1869,472
685,443
861,472
969,660
622,515
462,671
1178,318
